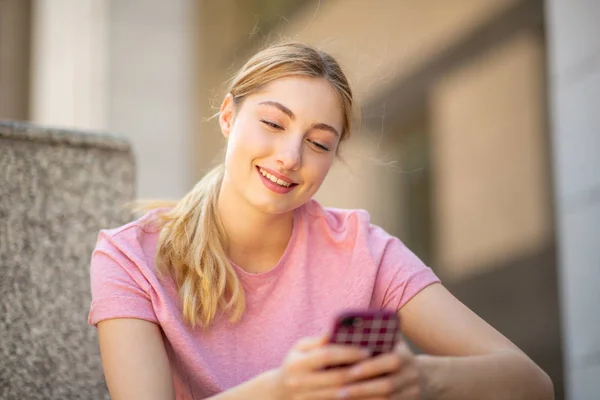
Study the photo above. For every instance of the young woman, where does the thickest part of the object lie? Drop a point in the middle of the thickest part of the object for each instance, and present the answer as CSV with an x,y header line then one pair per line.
x,y
231,292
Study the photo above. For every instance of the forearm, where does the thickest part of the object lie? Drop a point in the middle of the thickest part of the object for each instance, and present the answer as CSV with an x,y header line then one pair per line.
x,y
507,375
261,387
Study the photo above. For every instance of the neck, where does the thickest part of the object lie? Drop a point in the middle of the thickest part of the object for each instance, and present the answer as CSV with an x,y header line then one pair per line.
x,y
256,240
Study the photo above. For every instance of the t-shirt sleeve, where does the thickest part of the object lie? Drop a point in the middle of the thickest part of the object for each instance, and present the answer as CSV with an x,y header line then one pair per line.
x,y
400,275
119,288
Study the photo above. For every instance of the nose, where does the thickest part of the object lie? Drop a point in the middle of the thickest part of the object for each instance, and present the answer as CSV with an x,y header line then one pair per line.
x,y
289,156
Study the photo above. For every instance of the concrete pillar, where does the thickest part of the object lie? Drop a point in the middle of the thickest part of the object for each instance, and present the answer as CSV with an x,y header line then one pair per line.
x,y
69,60
14,58
152,72
574,63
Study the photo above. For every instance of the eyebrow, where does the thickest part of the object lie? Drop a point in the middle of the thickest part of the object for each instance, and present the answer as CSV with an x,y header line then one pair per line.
x,y
289,113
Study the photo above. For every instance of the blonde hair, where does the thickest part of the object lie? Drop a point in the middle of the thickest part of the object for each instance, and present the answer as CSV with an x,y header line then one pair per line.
x,y
192,244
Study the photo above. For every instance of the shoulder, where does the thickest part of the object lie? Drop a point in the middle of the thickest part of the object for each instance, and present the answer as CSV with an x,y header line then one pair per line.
x,y
135,240
337,219
353,226
126,254
122,274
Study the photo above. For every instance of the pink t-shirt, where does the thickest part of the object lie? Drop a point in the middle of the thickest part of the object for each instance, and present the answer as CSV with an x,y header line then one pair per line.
x,y
335,259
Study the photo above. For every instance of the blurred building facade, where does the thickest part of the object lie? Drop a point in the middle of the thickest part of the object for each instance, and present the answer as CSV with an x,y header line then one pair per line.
x,y
478,147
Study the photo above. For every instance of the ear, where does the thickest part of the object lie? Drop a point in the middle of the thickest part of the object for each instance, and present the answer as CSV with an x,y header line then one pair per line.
x,y
227,115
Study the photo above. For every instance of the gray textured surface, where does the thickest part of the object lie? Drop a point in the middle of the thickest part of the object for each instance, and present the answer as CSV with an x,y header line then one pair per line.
x,y
57,190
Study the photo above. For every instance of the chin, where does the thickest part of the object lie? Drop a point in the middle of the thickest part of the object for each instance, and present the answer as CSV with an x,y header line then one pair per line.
x,y
275,207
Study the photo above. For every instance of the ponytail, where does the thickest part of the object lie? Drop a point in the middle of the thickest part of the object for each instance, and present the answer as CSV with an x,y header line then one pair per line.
x,y
192,250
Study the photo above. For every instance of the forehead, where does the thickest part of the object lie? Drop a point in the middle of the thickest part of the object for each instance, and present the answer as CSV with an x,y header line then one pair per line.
x,y
308,98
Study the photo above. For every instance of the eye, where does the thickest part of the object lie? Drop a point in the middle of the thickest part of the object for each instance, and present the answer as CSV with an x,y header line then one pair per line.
x,y
271,124
319,145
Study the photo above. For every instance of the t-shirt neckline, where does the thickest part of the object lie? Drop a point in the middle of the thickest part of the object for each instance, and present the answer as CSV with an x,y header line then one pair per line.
x,y
286,254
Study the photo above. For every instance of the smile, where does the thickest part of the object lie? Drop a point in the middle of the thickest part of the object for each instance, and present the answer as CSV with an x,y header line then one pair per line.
x,y
274,179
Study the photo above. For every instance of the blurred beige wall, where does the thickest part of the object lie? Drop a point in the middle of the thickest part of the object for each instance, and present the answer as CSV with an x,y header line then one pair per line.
x,y
491,168
379,42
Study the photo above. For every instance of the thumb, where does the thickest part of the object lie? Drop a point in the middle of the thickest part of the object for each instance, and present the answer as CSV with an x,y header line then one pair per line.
x,y
311,342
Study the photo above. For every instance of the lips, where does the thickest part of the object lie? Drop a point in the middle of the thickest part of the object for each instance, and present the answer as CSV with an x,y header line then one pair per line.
x,y
276,177
276,182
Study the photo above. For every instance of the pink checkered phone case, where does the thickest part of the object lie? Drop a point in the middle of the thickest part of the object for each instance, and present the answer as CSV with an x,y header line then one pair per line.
x,y
376,330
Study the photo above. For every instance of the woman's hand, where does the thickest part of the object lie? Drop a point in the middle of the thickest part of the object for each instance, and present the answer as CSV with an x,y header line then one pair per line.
x,y
304,374
393,376
388,376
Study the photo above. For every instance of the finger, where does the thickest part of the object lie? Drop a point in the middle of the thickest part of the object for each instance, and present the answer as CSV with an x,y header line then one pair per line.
x,y
331,395
334,355
311,342
383,387
374,388
334,378
376,366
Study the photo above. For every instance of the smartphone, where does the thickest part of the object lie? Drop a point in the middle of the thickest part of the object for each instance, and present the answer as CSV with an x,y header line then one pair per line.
x,y
376,330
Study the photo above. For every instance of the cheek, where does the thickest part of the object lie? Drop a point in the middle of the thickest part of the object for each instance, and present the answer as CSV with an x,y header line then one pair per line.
x,y
318,168
247,139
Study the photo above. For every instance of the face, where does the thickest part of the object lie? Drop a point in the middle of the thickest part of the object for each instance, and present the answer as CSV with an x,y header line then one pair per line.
x,y
281,142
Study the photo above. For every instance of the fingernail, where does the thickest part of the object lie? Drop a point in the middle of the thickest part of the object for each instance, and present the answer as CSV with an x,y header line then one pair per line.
x,y
342,393
355,371
366,352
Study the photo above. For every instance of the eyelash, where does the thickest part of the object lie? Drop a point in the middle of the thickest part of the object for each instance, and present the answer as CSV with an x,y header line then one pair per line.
x,y
275,126
319,145
271,124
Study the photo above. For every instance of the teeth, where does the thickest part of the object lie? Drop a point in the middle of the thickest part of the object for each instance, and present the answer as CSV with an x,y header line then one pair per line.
x,y
274,179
